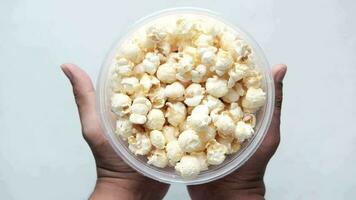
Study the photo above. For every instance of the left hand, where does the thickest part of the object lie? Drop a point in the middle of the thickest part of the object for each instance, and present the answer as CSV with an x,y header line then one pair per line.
x,y
116,180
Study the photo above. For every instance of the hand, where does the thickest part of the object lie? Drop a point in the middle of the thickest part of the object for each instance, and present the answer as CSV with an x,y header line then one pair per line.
x,y
247,182
116,180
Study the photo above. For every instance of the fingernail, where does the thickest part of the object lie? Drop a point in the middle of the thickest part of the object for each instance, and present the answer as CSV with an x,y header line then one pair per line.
x,y
281,73
66,71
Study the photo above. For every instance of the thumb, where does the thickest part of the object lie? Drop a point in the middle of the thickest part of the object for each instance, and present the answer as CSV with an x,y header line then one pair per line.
x,y
84,95
278,72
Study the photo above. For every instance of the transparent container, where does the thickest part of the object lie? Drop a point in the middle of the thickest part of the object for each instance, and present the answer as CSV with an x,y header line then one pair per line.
x,y
168,175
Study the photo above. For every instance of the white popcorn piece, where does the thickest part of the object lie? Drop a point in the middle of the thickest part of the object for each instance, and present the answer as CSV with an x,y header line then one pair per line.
x,y
174,90
120,104
204,40
174,152
216,87
198,74
208,134
189,141
143,100
140,145
123,128
231,96
223,63
151,63
194,93
215,153
225,125
231,145
239,89
250,119
202,158
214,104
123,67
207,55
115,82
155,119
164,47
157,34
140,107
129,85
157,98
166,73
253,80
157,139
185,64
158,158
148,81
236,112
254,99
170,133
240,50
137,118
243,131
188,167
199,120
132,52
176,113
227,40
238,72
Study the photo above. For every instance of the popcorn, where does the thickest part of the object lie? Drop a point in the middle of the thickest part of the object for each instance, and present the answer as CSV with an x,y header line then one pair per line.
x,y
170,133
129,85
139,145
188,167
201,156
204,40
224,124
166,73
123,128
215,153
148,81
207,55
176,113
174,90
253,80
216,87
120,104
199,120
189,141
155,119
139,109
194,94
174,152
231,96
132,52
158,158
157,98
151,63
157,139
243,131
235,112
223,62
238,72
123,67
230,144
254,99
198,75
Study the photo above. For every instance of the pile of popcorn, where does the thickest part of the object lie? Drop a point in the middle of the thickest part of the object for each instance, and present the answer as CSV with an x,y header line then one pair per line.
x,y
185,93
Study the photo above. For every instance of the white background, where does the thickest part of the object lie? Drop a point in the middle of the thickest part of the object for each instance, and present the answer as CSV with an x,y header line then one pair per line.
x,y
42,153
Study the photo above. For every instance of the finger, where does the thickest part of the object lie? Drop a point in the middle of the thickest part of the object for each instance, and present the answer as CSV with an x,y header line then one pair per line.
x,y
84,94
278,72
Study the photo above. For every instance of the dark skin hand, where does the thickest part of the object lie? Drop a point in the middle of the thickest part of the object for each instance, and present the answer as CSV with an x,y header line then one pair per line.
x,y
247,182
116,180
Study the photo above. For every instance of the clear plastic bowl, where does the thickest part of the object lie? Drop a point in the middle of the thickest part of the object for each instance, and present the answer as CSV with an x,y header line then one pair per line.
x,y
168,175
